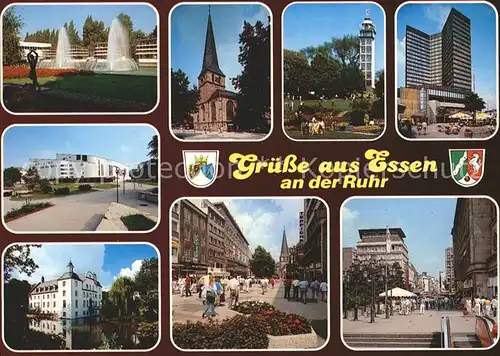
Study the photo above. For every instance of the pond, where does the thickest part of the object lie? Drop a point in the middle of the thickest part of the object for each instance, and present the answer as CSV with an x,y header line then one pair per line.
x,y
74,334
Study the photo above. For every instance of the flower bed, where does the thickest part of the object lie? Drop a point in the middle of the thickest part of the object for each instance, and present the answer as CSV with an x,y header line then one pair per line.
x,y
253,307
367,129
23,72
26,210
235,333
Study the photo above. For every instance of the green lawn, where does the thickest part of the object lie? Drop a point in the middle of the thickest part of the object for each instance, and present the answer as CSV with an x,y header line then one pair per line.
x,y
138,222
125,87
73,188
329,135
338,104
105,186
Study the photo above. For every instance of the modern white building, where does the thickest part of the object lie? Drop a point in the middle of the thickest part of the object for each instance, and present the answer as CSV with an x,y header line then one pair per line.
x,y
78,166
43,49
70,296
367,50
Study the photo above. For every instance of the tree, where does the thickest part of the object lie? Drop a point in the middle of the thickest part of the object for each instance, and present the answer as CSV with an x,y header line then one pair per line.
x,y
31,178
153,147
396,276
184,100
18,257
121,293
296,73
146,283
253,84
73,36
93,33
11,29
154,33
474,103
262,263
378,106
346,49
127,24
11,176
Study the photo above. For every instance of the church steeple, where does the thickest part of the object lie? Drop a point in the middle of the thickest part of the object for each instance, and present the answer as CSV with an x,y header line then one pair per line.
x,y
210,61
284,247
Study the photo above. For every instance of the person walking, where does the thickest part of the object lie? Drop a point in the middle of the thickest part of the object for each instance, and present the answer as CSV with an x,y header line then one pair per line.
x,y
233,286
494,306
263,284
303,286
422,306
477,306
210,295
187,282
487,308
288,286
315,289
323,288
295,288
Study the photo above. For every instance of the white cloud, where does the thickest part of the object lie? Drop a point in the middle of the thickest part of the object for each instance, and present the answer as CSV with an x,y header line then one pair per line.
x,y
349,216
52,261
130,272
265,227
438,13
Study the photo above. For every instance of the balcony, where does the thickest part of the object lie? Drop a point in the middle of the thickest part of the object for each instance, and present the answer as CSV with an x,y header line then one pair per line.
x,y
175,215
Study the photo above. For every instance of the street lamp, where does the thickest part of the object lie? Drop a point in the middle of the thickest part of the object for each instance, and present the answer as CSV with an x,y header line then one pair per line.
x,y
117,183
124,174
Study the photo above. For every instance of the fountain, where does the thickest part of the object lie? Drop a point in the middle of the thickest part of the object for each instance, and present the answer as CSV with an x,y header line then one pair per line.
x,y
63,59
118,53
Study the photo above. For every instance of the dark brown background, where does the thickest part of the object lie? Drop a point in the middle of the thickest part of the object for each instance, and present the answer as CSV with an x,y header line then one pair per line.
x,y
268,185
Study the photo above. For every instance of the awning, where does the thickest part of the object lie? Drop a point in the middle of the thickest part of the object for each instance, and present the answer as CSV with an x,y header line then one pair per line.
x,y
398,292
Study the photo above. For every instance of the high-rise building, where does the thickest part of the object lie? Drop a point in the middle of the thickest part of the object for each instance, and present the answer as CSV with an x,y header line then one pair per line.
x,y
315,248
348,256
456,47
450,270
475,247
441,59
372,246
367,49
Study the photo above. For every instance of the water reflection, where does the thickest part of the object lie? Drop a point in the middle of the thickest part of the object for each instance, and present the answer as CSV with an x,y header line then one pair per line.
x,y
85,334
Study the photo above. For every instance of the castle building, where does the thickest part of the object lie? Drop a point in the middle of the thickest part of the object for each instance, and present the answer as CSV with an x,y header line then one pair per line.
x,y
70,296
216,106
367,50
284,256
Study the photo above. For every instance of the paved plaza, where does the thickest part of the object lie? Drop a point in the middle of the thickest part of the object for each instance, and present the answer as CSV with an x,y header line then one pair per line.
x,y
433,132
414,323
79,212
229,136
191,308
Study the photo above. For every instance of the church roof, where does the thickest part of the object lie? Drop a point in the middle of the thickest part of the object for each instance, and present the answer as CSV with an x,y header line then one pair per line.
x,y
224,94
210,61
284,246
69,275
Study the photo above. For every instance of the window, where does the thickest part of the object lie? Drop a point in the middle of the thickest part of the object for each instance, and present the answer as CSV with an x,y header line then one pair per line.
x,y
76,293
64,293
76,314
54,296
64,303
64,314
54,304
76,303
64,283
76,283
84,158
44,304
78,157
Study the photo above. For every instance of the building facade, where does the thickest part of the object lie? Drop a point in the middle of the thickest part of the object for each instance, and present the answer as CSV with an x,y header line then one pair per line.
x,y
193,250
236,247
450,270
216,106
348,256
78,166
367,50
146,52
373,246
71,296
315,248
412,277
41,48
442,59
175,238
215,233
475,247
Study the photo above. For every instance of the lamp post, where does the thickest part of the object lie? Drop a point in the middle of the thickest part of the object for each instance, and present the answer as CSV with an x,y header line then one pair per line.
x,y
392,274
117,183
124,175
386,292
355,299
371,280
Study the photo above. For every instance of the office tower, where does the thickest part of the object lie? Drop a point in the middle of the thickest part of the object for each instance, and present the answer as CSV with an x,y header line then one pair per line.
x,y
417,54
367,50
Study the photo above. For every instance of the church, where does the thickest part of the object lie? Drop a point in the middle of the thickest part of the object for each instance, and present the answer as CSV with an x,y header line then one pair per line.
x,y
284,257
216,105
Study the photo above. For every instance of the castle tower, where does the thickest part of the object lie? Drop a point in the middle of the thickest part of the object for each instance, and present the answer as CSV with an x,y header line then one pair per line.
x,y
284,255
367,50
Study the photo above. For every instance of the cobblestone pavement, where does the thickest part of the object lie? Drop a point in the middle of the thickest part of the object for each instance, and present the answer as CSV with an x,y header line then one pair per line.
x,y
413,323
80,212
191,308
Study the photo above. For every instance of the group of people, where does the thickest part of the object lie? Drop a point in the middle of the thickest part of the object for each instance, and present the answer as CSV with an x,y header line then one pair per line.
x,y
482,306
300,288
422,128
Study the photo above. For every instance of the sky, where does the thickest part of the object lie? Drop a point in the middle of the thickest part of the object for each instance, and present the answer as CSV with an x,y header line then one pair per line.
x,y
307,25
426,222
124,144
430,18
188,29
40,17
108,261
262,221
